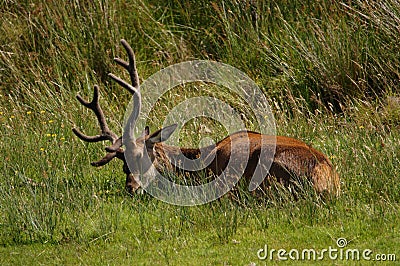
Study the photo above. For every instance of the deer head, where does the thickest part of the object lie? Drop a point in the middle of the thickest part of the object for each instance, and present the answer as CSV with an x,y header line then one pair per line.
x,y
137,151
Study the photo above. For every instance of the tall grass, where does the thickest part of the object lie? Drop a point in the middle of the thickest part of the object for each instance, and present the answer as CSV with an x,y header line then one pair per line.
x,y
326,66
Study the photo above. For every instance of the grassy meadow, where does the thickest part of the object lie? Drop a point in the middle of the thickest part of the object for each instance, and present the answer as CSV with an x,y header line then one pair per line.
x,y
330,70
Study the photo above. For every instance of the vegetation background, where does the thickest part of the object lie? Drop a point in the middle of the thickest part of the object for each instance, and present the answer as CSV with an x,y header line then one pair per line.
x,y
329,68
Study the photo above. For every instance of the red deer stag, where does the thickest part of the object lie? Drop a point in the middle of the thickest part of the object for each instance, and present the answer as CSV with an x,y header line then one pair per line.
x,y
292,160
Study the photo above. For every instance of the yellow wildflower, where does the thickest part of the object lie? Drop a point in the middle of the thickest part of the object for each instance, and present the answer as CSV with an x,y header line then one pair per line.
x,y
29,112
42,112
51,121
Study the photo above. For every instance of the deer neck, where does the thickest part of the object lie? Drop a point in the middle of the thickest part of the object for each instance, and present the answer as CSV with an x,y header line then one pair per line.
x,y
173,157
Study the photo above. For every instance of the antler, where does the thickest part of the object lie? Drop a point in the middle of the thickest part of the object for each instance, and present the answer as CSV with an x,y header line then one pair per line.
x,y
115,149
134,89
131,67
106,133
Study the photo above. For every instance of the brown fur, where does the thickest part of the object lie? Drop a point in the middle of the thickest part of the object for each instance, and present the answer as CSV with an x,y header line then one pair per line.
x,y
293,159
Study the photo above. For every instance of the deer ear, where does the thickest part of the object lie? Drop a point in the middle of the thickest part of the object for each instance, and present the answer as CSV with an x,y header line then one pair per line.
x,y
146,131
162,134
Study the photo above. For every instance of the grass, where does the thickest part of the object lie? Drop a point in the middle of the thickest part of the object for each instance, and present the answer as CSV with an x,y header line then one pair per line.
x,y
327,69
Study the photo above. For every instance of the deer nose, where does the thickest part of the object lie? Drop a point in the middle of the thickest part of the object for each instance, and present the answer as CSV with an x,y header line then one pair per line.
x,y
131,185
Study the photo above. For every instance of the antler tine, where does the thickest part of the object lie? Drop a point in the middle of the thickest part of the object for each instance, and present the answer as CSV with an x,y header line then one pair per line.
x,y
108,157
131,67
124,84
106,133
